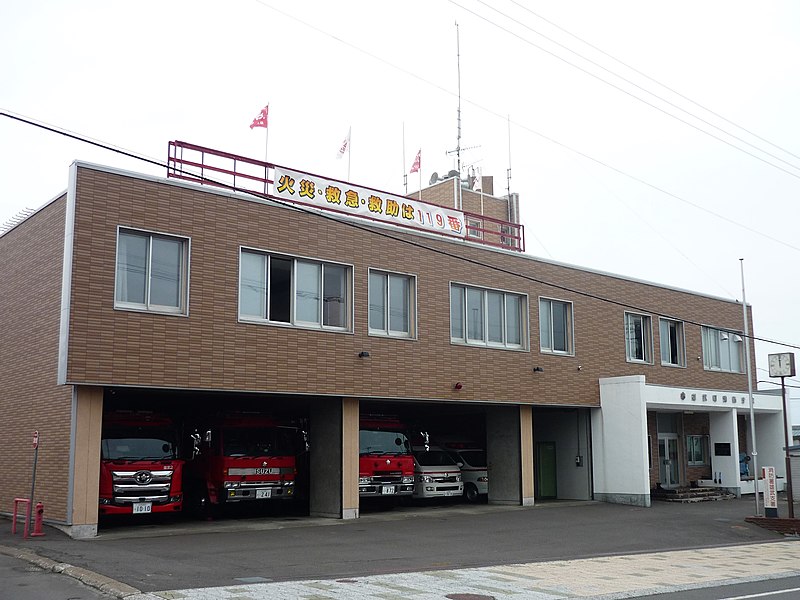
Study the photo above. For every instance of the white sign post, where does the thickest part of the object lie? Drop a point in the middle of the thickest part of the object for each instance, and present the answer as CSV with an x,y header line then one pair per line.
x,y
770,492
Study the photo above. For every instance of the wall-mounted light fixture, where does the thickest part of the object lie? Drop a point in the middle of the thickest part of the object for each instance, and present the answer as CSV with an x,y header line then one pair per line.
x,y
363,354
458,385
538,370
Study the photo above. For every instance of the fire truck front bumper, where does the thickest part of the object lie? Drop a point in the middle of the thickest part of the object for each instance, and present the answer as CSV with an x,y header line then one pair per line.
x,y
257,490
368,487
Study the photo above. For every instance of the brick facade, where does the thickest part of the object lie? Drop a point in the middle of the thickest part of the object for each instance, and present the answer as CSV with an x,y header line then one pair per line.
x,y
211,350
30,304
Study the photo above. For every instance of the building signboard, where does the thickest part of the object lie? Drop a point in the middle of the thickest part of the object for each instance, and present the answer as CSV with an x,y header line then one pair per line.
x,y
341,197
770,488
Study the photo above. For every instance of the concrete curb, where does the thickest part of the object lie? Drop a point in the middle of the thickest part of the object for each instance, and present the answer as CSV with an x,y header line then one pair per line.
x,y
85,576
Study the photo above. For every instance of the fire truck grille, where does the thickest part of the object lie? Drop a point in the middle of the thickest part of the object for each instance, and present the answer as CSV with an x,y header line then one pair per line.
x,y
141,486
387,477
445,479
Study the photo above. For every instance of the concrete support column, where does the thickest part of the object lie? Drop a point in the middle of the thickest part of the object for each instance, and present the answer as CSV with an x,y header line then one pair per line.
x,y
526,453
724,429
619,442
87,423
334,458
504,425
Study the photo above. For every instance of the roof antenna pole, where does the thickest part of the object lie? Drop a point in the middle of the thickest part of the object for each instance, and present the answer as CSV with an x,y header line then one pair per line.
x,y
508,171
458,139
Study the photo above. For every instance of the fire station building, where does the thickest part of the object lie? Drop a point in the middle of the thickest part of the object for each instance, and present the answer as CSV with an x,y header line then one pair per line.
x,y
234,282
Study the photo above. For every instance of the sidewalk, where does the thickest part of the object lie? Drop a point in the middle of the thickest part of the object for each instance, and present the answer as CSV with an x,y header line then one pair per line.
x,y
552,550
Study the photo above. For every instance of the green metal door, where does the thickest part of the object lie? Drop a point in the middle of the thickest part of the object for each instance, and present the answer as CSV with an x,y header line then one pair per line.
x,y
546,470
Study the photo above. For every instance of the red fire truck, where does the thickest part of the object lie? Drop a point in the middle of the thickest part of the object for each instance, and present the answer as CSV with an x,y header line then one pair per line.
x,y
241,457
140,472
385,466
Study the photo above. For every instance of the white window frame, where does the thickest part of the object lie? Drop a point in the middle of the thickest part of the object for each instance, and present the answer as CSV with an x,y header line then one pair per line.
x,y
570,341
714,336
465,340
412,305
647,341
477,224
665,357
183,287
705,450
294,321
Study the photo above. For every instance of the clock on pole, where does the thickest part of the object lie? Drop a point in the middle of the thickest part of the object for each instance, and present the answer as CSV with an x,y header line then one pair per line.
x,y
781,365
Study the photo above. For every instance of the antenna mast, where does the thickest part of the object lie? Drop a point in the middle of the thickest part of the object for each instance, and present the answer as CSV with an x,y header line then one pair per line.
x,y
508,171
458,66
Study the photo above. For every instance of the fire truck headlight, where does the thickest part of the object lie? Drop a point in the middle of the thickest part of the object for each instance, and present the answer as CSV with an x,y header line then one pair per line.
x,y
483,479
425,479
408,479
364,480
231,484
105,501
458,477
175,498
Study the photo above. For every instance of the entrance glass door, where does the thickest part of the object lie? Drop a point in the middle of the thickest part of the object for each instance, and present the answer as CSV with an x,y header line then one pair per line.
x,y
668,461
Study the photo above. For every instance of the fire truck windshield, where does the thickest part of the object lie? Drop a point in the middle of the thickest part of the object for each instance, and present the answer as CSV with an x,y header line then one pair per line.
x,y
274,441
138,445
382,442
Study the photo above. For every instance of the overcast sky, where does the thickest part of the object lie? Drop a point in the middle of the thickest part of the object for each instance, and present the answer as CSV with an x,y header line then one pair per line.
x,y
606,181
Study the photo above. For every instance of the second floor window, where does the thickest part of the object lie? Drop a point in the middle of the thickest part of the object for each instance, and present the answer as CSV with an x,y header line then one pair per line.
x,y
555,326
293,291
152,272
722,350
638,338
487,317
672,344
392,304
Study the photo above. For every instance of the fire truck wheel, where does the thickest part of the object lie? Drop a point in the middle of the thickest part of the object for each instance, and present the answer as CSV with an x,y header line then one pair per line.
x,y
471,492
200,505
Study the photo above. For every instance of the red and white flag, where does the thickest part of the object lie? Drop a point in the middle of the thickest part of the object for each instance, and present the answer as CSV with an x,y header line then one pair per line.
x,y
345,145
261,119
417,162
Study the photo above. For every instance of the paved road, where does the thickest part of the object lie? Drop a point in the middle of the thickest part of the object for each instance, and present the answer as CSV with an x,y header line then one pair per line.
x,y
409,544
785,588
21,580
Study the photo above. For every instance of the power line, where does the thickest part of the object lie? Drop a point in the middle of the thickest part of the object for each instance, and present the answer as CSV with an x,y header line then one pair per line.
x,y
632,95
547,138
388,235
646,76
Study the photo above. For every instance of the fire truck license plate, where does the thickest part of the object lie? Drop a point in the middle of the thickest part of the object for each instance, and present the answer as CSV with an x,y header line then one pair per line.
x,y
263,493
141,508
387,489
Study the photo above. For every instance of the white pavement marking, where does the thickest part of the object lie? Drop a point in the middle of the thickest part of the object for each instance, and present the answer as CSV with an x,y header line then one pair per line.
x,y
606,577
762,594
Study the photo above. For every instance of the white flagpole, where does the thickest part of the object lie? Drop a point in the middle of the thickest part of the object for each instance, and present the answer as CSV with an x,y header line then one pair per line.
x,y
405,175
266,143
420,174
754,451
349,149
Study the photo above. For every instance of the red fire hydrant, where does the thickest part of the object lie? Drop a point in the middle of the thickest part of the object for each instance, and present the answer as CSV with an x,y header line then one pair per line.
x,y
37,520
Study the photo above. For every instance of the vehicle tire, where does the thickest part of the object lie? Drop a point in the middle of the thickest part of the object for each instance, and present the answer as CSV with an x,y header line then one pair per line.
x,y
200,504
471,492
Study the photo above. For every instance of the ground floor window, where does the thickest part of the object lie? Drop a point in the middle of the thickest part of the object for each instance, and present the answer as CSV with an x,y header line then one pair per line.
x,y
697,450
